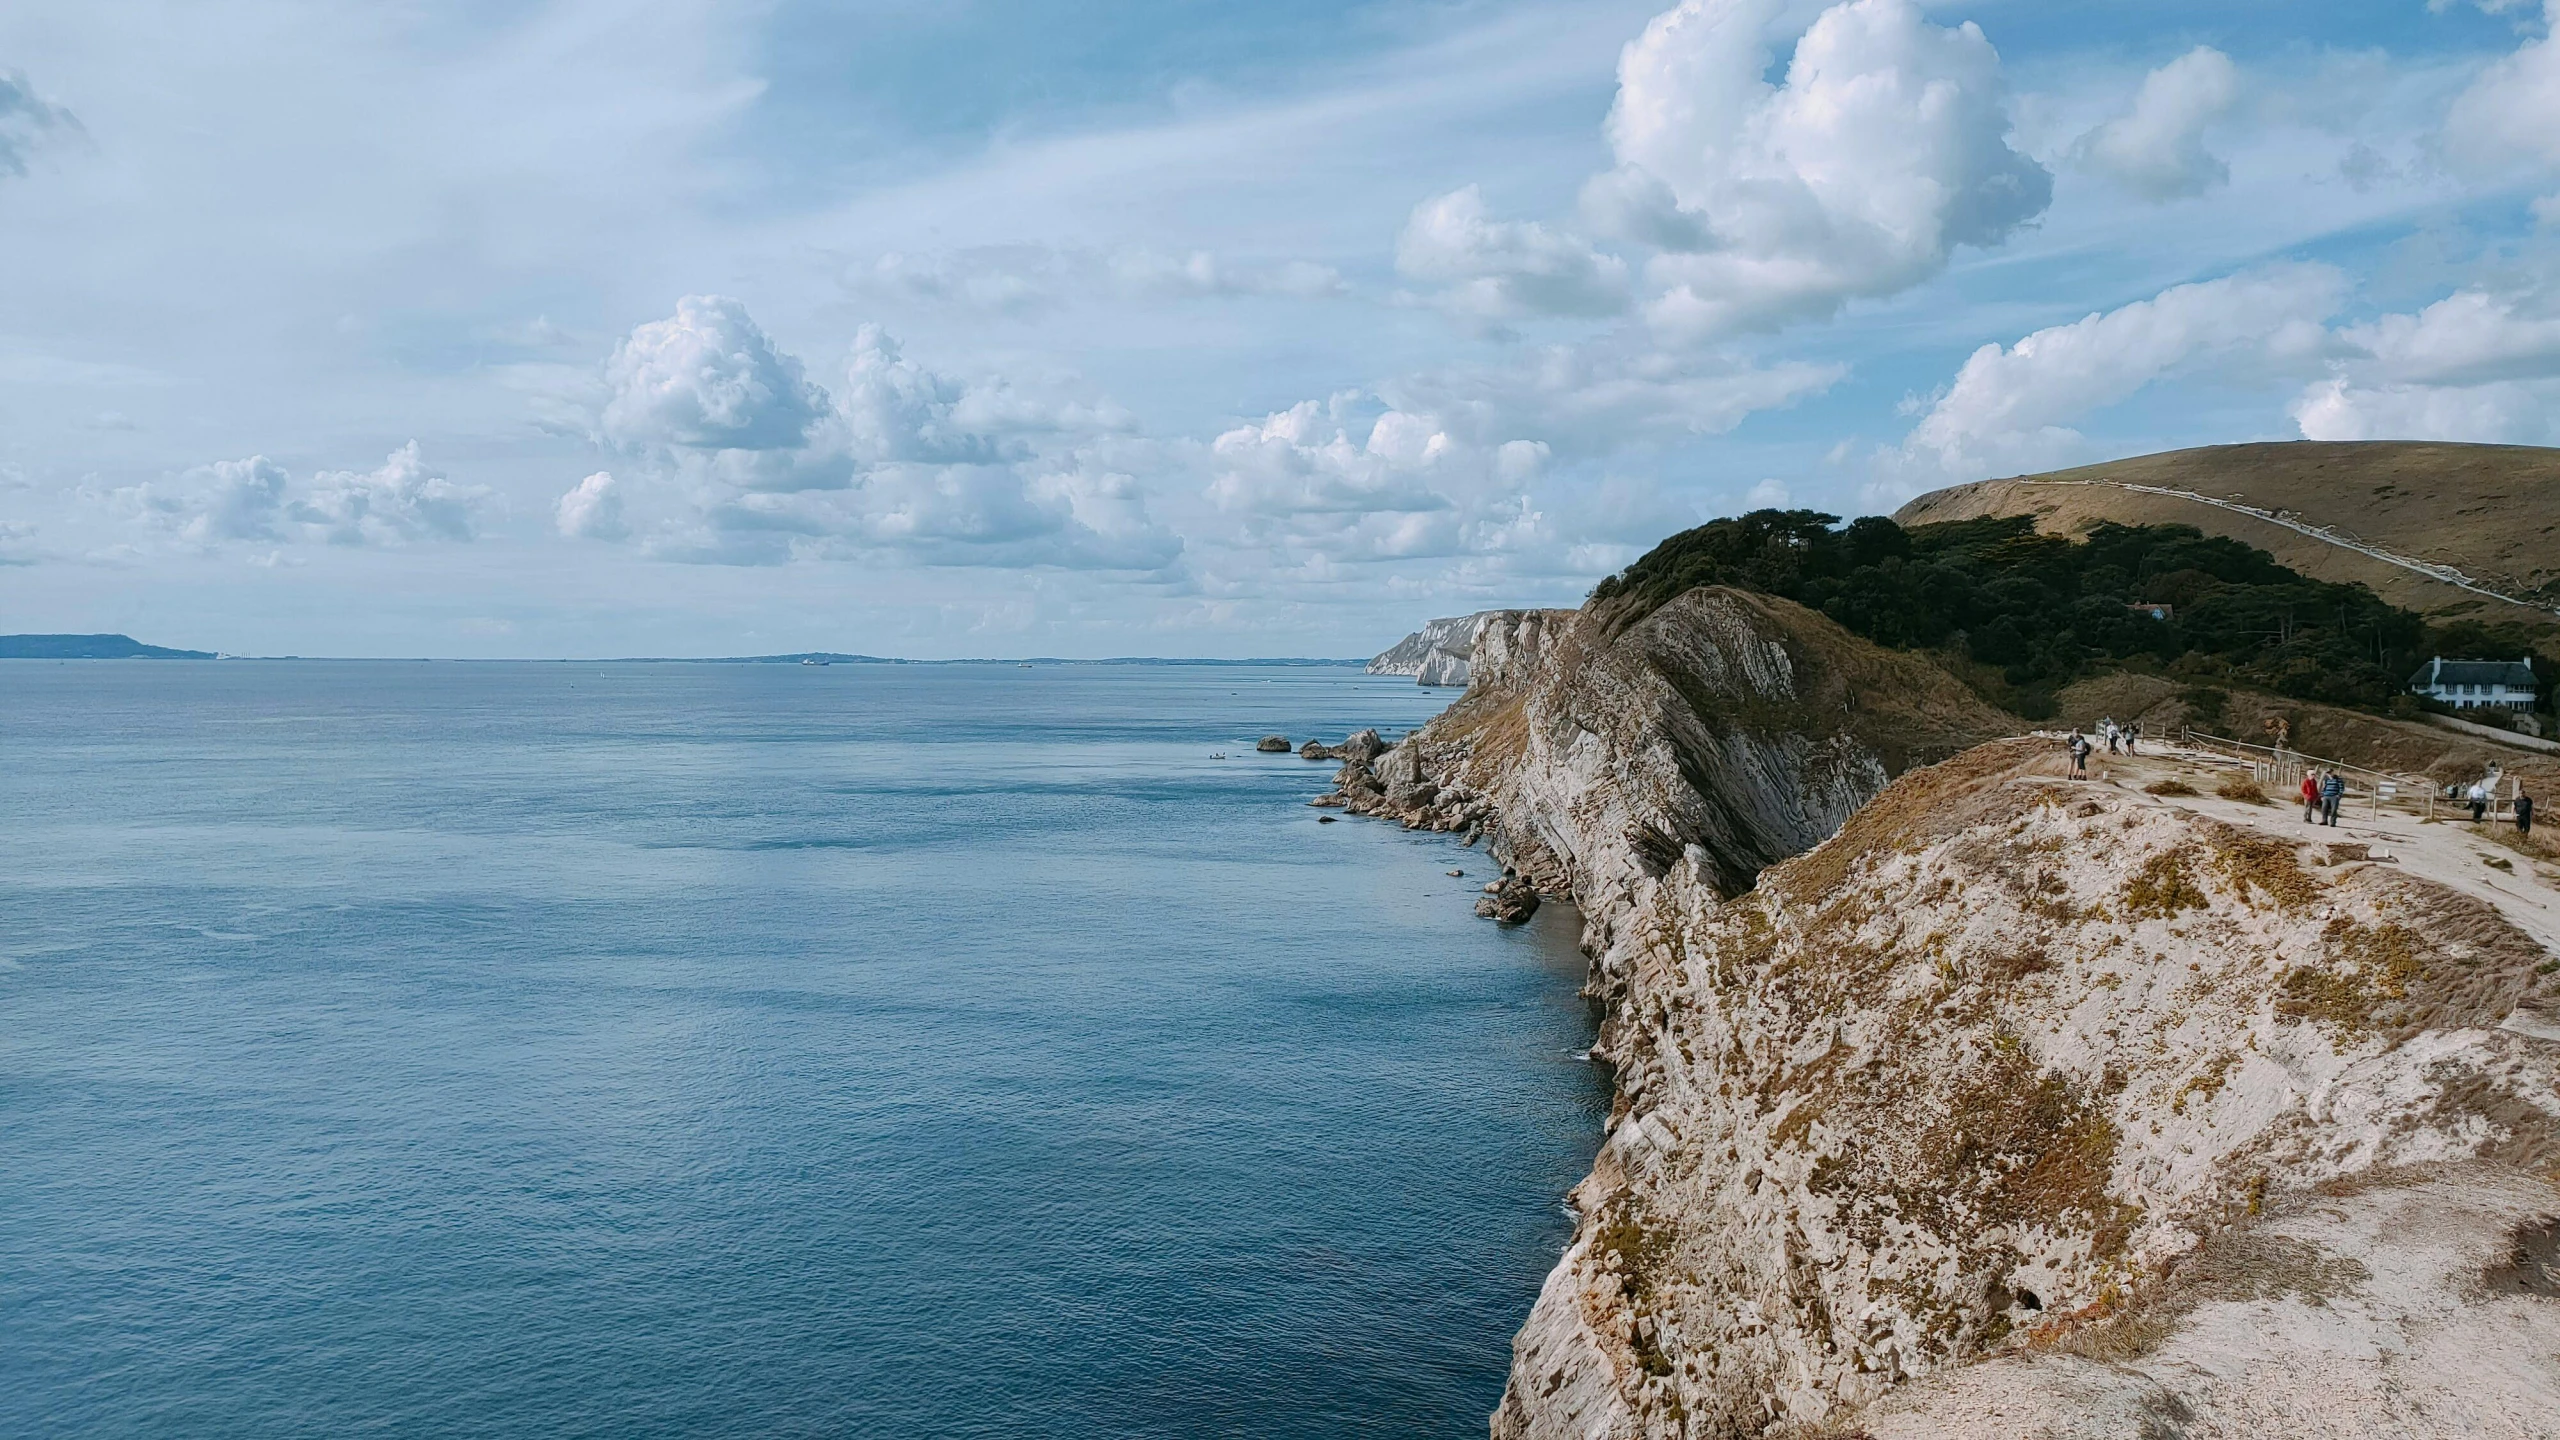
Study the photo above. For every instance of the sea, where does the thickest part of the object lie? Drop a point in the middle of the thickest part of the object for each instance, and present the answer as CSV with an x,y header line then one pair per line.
x,y
636,1049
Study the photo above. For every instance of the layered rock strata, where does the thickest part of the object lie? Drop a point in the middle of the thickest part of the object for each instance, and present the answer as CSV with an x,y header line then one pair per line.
x,y
1990,1101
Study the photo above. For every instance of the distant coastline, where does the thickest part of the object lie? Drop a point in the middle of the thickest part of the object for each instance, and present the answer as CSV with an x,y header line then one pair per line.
x,y
90,647
125,647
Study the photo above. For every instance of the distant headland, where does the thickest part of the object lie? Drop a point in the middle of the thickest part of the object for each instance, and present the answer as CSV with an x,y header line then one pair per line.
x,y
90,647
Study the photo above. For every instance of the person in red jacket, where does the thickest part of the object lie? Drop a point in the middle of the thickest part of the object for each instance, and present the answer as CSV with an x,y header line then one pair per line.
x,y
2310,797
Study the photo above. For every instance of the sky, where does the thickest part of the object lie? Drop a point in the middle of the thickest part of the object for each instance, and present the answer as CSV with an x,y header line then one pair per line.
x,y
999,328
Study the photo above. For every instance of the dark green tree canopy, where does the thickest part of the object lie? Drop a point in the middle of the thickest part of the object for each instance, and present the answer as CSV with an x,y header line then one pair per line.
x,y
2044,610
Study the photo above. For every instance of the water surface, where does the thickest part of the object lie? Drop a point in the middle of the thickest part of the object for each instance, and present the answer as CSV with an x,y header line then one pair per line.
x,y
752,1050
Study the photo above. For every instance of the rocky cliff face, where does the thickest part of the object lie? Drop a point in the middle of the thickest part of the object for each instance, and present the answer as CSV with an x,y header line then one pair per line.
x,y
2021,1104
1725,729
1436,654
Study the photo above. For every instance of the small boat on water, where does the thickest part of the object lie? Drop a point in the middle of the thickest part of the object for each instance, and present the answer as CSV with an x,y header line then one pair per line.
x,y
815,661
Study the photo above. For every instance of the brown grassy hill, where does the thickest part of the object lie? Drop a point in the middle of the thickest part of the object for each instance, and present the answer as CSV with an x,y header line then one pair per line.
x,y
2490,512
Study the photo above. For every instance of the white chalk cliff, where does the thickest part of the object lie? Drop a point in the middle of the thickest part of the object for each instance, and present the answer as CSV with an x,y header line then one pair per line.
x,y
1436,654
2021,1104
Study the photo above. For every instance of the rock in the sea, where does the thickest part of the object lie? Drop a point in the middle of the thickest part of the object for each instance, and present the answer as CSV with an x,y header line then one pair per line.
x,y
1328,820
1273,745
1316,750
1363,747
1509,901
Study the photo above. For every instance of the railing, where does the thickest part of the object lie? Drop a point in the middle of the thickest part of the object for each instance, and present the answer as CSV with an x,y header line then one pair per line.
x,y
2284,769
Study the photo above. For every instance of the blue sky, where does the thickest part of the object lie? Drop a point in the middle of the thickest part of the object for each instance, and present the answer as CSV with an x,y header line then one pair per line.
x,y
597,327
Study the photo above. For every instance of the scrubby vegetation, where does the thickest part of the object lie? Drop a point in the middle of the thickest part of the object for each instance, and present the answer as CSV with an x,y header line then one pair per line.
x,y
2029,613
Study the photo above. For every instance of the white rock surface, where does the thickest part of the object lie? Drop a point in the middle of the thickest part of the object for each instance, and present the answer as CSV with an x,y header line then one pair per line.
x,y
2024,1105
1436,654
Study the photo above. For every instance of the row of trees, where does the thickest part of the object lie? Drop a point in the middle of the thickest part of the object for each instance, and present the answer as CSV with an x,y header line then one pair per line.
x,y
2042,610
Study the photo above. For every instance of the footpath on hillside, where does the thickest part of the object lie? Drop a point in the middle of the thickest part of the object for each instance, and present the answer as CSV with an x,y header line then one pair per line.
x,y
2517,875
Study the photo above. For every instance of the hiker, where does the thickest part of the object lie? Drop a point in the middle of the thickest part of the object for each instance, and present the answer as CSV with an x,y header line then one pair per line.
x,y
2524,813
2079,747
2333,788
2479,798
2133,738
2310,797
2109,726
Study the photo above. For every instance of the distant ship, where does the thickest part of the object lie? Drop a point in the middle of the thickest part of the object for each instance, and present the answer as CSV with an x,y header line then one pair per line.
x,y
817,662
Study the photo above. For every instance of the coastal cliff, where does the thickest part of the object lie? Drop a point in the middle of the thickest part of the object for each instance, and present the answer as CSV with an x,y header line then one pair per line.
x,y
1961,1096
1436,654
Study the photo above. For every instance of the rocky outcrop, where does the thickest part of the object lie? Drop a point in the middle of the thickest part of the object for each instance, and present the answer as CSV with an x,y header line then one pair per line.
x,y
1438,653
1510,900
1984,1101
2176,1132
1728,727
1273,745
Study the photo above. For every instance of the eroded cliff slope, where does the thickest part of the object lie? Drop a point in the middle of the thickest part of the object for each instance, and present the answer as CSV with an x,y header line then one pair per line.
x,y
1724,725
2023,1104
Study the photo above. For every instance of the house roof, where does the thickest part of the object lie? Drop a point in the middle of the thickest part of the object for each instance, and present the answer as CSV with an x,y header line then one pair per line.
x,y
2514,674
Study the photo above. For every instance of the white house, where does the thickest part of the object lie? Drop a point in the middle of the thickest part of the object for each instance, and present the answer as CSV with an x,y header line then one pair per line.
x,y
2478,684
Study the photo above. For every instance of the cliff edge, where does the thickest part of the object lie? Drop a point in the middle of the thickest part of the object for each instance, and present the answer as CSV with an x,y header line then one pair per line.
x,y
1961,1096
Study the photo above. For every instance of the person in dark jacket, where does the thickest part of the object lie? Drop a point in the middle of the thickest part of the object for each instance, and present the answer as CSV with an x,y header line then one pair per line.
x,y
2079,747
2524,814
2333,788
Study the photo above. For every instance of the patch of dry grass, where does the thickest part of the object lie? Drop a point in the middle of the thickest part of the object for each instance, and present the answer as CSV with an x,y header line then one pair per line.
x,y
2243,788
2162,888
2168,787
2272,867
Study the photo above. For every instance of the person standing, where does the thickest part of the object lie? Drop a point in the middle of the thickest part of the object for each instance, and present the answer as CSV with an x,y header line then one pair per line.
x,y
2079,747
2133,738
2524,813
2333,788
2310,797
2479,798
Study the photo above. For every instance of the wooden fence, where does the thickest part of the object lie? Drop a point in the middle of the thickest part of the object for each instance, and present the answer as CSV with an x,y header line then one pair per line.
x,y
2280,771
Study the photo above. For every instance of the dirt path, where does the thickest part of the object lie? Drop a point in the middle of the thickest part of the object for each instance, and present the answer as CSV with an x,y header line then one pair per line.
x,y
2521,879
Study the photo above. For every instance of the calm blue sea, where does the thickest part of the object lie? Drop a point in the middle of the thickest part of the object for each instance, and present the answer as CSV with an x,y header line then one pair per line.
x,y
736,1050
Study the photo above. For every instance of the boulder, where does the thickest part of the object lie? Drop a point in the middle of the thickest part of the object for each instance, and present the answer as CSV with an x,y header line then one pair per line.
x,y
1317,750
1273,745
1509,901
1362,747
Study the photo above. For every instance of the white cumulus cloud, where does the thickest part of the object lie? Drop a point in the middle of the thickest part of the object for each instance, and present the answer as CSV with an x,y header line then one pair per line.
x,y
747,461
591,509
399,501
707,378
2509,117
2474,366
2010,408
1884,147
2156,149
1504,269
